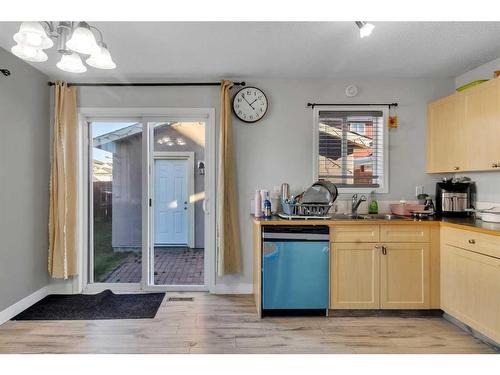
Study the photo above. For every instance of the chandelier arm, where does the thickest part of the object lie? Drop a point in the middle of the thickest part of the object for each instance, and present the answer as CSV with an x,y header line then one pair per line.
x,y
49,25
101,39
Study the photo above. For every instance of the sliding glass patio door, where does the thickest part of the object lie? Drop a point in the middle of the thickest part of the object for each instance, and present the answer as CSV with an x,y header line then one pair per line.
x,y
150,221
115,194
177,215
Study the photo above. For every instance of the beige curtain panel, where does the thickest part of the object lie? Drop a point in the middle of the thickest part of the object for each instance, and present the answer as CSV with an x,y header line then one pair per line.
x,y
228,229
63,198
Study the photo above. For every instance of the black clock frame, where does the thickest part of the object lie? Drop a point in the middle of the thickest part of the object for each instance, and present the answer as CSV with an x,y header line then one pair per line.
x,y
247,121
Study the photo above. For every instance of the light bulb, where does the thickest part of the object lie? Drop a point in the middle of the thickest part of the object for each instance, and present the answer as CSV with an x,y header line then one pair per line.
x,y
40,56
24,52
32,34
101,59
83,40
366,29
71,63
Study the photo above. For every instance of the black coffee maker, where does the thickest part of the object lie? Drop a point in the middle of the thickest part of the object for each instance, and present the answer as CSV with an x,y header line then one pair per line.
x,y
454,197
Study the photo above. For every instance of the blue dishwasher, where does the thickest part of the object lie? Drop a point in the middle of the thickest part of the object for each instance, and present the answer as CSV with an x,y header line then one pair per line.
x,y
295,264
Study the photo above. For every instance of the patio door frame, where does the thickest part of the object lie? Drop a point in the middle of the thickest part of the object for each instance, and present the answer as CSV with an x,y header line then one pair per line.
x,y
146,116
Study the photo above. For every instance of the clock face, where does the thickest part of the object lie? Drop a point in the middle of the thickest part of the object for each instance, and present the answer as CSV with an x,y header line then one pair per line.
x,y
250,104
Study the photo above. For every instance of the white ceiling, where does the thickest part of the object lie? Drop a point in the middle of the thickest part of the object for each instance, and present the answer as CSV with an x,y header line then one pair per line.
x,y
205,50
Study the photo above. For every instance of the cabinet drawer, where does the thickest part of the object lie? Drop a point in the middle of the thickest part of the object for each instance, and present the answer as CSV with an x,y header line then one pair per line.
x,y
404,233
470,240
354,233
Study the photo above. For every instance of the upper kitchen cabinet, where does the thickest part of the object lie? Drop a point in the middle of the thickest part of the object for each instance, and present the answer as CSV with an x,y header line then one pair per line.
x,y
445,135
463,130
482,125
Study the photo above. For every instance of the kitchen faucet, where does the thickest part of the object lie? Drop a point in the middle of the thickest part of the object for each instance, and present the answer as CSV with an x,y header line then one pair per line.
x,y
355,203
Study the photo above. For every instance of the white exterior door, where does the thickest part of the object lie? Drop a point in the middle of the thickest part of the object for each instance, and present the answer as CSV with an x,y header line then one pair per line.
x,y
171,202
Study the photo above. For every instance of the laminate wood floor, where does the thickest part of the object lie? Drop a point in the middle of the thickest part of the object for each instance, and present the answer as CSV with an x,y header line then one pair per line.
x,y
229,324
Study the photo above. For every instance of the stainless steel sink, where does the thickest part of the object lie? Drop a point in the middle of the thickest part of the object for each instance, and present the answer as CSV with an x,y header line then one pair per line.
x,y
369,217
386,217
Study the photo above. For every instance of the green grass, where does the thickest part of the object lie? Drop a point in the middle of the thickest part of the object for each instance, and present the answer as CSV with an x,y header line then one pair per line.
x,y
105,259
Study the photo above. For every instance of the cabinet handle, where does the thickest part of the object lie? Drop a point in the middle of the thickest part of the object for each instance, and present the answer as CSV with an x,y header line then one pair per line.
x,y
456,168
472,241
384,250
494,165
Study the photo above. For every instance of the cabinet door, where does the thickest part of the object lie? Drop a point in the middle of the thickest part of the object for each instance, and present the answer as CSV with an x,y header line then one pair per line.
x,y
470,289
482,126
445,135
354,276
404,276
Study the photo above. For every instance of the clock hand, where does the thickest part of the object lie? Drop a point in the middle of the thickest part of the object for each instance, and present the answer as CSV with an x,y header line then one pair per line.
x,y
250,104
253,102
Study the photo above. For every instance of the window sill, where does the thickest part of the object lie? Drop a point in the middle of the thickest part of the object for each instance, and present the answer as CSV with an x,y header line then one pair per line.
x,y
363,190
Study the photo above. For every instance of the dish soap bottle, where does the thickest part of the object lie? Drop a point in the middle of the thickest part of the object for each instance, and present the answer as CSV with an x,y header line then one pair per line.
x,y
373,206
267,209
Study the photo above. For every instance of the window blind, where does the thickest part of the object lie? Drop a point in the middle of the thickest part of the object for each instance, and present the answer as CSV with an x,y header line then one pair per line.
x,y
351,147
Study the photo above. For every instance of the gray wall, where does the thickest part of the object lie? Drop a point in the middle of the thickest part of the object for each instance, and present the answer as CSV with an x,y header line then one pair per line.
x,y
487,183
24,180
279,148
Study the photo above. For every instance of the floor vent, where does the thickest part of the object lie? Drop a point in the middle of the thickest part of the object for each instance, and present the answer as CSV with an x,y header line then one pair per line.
x,y
180,299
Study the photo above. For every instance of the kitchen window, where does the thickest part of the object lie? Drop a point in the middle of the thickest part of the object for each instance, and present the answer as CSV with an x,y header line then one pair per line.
x,y
350,147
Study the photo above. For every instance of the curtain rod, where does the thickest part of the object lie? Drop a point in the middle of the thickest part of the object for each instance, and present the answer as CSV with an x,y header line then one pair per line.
x,y
150,84
312,105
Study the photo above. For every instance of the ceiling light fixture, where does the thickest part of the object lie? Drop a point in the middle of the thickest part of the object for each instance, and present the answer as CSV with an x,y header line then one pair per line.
x,y
101,58
73,39
71,63
83,40
365,28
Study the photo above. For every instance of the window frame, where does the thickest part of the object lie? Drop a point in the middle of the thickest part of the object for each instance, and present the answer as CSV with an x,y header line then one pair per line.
x,y
384,185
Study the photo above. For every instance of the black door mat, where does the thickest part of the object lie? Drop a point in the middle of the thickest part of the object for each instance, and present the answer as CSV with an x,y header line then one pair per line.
x,y
105,305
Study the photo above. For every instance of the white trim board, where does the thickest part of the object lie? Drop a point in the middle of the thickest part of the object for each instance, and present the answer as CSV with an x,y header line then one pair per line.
x,y
20,306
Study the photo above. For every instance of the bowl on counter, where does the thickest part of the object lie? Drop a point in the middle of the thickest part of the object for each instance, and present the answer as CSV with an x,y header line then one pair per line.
x,y
405,209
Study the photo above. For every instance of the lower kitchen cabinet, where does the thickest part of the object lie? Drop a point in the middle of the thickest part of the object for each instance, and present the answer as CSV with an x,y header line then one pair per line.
x,y
354,276
405,276
380,276
470,289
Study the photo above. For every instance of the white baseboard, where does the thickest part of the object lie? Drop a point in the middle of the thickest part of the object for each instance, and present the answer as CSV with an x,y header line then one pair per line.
x,y
18,307
233,289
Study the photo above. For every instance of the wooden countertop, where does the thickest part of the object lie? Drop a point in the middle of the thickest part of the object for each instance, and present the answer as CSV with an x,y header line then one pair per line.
x,y
469,224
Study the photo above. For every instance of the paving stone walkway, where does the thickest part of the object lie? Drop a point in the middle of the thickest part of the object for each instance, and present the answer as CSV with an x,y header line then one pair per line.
x,y
173,266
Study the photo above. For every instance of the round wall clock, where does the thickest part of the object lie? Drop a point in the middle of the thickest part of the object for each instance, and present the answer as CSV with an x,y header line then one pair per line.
x,y
250,104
